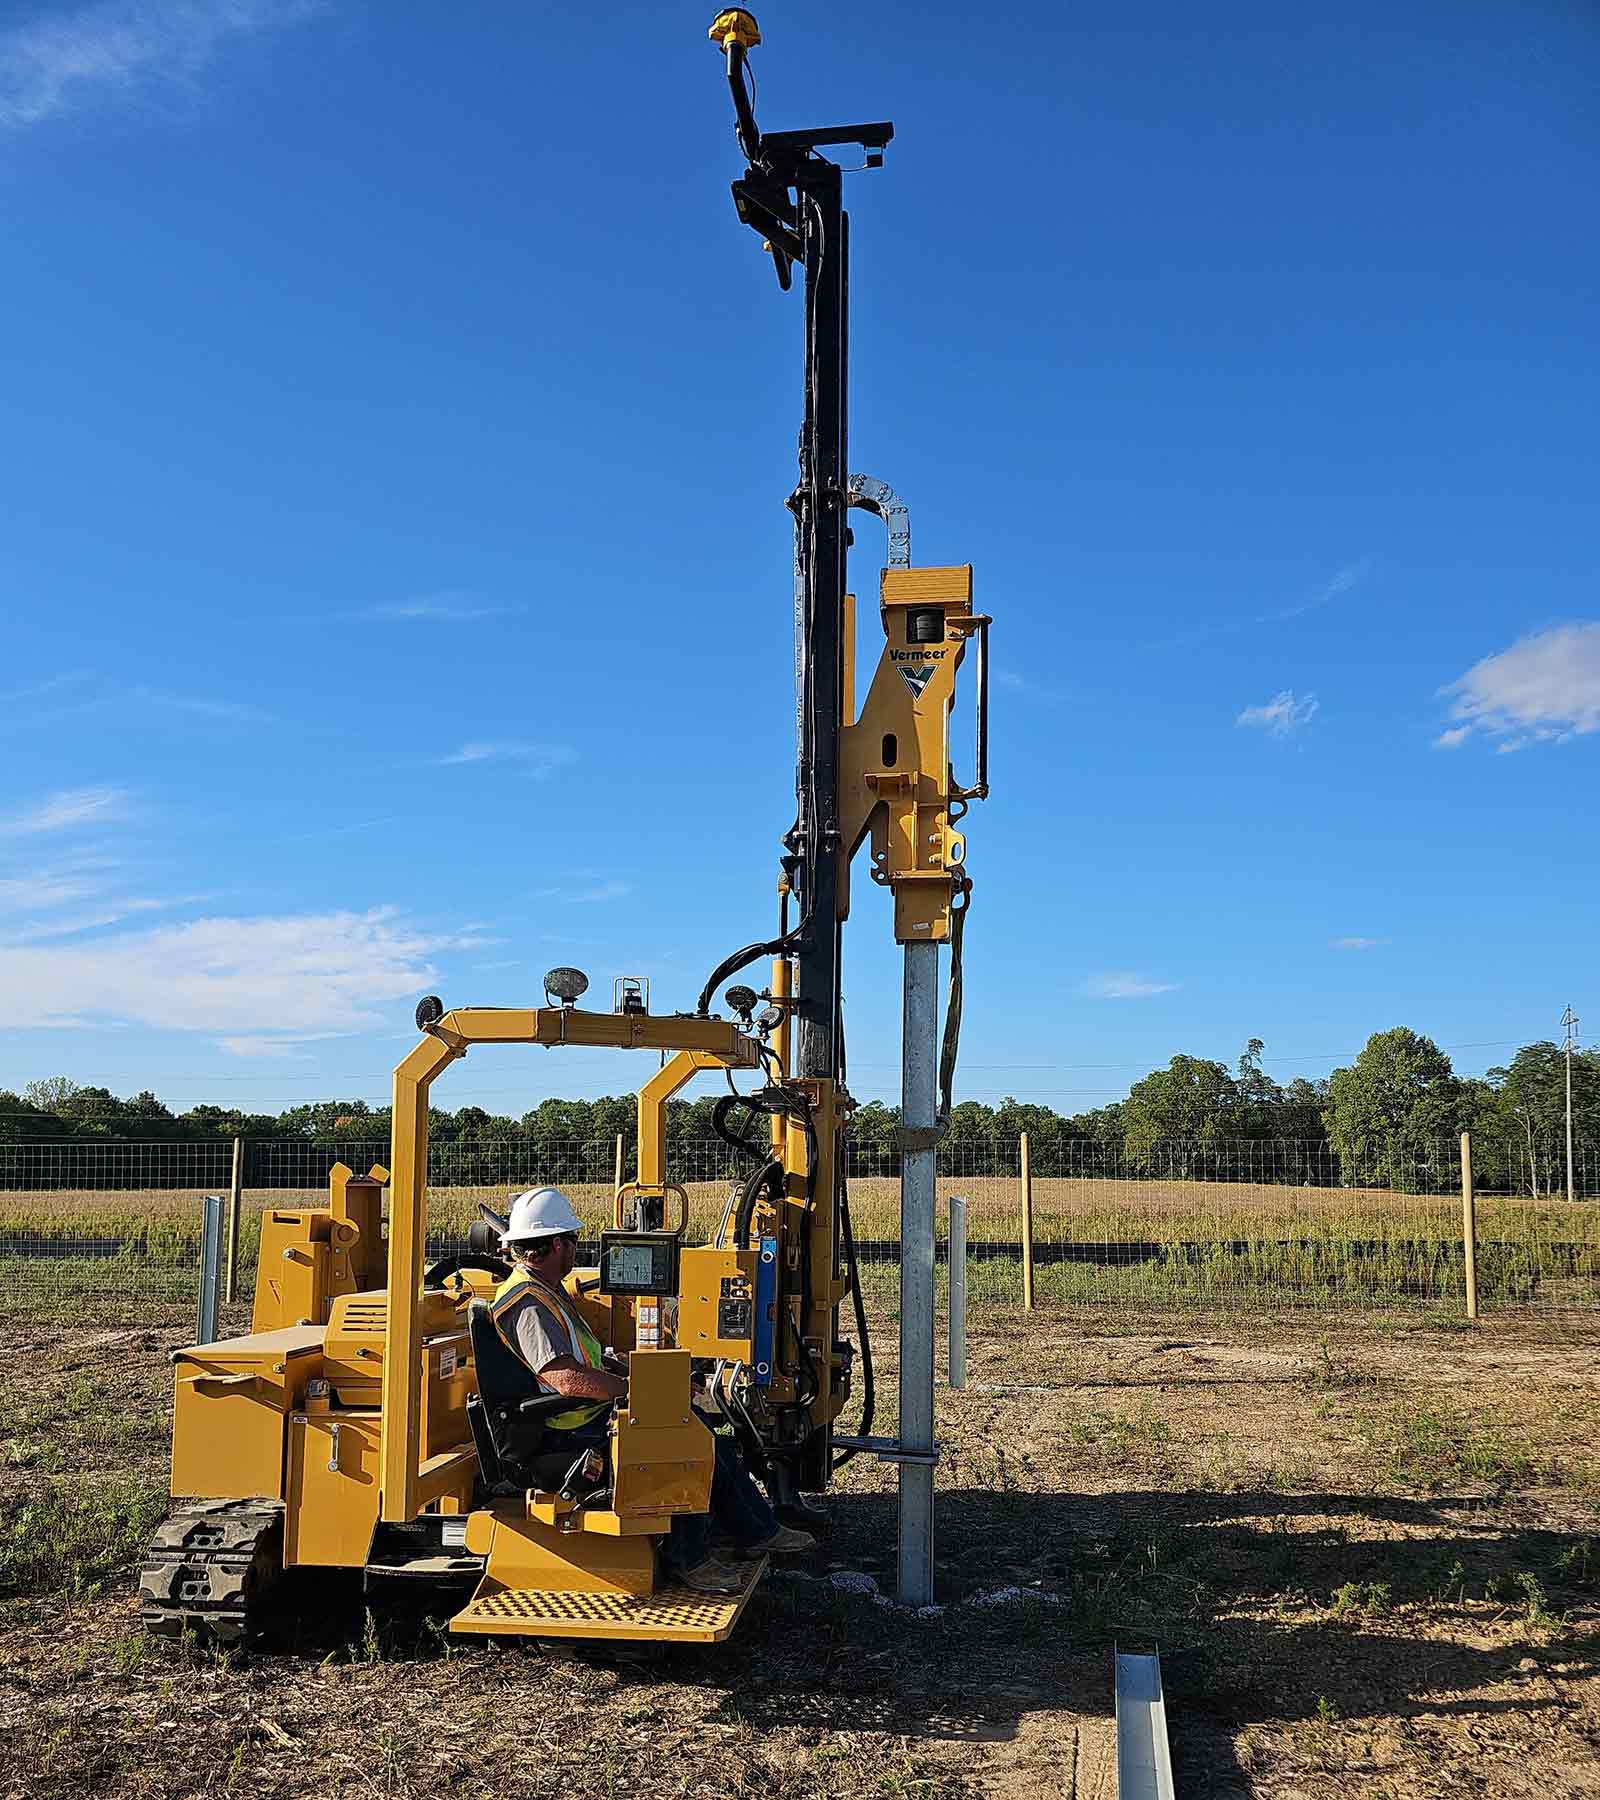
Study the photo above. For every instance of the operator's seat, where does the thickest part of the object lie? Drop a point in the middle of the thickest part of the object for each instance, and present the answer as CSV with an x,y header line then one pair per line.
x,y
507,1418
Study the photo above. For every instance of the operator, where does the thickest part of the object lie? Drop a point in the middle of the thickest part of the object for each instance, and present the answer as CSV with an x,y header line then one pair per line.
x,y
538,1323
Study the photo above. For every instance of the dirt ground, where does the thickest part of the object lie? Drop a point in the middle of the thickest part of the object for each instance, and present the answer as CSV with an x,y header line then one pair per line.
x,y
1370,1557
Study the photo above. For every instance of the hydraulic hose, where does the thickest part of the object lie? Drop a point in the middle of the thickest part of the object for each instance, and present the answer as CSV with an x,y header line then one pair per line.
x,y
731,965
952,1011
749,1193
736,1140
868,1380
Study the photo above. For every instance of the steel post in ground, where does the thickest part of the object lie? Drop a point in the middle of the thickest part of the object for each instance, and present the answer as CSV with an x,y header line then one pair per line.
x,y
918,1098
958,1292
235,1208
1027,1224
1469,1227
205,1331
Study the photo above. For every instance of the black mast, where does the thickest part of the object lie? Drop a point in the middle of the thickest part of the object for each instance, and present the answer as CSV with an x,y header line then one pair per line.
x,y
794,198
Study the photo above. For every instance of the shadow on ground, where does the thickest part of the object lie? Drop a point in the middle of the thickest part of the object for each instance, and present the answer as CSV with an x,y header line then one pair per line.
x,y
1237,1590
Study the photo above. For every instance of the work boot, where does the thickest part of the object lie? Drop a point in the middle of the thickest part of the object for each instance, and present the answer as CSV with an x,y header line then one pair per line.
x,y
713,1577
785,1541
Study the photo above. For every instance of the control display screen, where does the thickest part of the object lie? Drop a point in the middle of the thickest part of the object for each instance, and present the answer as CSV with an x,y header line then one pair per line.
x,y
629,1265
639,1262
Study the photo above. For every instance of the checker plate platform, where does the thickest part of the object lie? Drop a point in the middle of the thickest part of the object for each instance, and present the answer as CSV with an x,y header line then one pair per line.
x,y
673,1614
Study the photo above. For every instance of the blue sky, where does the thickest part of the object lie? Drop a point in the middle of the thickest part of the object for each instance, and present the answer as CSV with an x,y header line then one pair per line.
x,y
396,571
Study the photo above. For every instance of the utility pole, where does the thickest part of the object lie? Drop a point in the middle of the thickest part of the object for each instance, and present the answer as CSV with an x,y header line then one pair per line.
x,y
1570,1020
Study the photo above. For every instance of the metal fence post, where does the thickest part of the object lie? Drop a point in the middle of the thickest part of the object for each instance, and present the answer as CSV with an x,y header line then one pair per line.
x,y
1469,1226
205,1331
616,1178
958,1292
918,1106
235,1197
1027,1227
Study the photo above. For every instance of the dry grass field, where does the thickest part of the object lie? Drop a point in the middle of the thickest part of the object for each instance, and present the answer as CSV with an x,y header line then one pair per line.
x,y
1370,1556
1125,1242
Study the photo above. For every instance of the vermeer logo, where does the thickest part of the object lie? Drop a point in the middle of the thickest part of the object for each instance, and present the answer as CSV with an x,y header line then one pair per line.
x,y
917,666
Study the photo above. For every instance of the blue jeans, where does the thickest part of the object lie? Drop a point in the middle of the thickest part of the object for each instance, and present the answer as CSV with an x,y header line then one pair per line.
x,y
738,1506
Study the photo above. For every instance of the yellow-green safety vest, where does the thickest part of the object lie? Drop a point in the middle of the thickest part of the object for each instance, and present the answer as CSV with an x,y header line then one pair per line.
x,y
586,1347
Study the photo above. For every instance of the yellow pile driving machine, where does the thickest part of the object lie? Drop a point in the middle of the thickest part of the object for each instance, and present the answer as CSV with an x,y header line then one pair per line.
x,y
372,1420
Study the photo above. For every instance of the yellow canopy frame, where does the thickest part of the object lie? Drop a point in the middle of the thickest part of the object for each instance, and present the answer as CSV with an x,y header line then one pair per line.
x,y
699,1043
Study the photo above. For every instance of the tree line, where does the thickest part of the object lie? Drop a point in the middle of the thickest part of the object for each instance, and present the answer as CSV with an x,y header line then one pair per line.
x,y
1389,1118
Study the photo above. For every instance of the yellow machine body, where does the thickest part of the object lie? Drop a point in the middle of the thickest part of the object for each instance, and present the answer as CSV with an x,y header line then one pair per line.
x,y
344,1410
342,1423
894,760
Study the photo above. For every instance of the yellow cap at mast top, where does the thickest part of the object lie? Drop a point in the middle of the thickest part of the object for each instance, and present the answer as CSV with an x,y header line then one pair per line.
x,y
736,26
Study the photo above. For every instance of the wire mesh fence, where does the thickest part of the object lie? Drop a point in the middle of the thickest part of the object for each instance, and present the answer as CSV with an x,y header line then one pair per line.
x,y
1241,1225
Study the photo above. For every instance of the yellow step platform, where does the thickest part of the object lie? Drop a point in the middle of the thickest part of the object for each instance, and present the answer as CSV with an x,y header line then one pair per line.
x,y
673,1614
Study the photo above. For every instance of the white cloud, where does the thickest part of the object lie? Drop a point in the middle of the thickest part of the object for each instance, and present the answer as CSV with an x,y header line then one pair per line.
x,y
260,977
274,1046
54,63
69,807
1544,690
1281,714
108,912
1341,582
46,888
1357,943
538,759
445,608
1323,594
49,686
1126,986
585,891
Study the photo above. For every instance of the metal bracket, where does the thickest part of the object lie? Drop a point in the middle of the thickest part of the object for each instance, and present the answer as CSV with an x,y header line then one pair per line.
x,y
917,1137
888,1449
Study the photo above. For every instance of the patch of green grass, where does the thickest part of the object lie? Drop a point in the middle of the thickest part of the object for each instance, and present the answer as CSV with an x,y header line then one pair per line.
x,y
75,1540
1369,1599
1114,1439
1430,1447
1578,1566
1334,1370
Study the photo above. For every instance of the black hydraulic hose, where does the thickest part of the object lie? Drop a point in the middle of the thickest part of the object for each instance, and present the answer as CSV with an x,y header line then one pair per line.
x,y
731,965
736,1140
749,1193
868,1381
952,1011
746,131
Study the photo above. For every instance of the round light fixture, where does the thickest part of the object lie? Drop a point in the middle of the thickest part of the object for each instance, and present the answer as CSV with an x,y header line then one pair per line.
x,y
565,984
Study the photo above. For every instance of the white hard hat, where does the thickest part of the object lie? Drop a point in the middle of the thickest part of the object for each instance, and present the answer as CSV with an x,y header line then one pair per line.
x,y
541,1212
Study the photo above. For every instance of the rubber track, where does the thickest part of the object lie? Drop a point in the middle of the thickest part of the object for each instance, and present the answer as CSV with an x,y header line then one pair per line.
x,y
208,1565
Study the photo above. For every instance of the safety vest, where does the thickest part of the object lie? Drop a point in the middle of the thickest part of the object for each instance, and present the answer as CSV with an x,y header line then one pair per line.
x,y
586,1346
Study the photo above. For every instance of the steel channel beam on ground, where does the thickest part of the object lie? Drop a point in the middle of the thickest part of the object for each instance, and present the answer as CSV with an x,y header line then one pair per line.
x,y
1144,1759
210,1270
918,1099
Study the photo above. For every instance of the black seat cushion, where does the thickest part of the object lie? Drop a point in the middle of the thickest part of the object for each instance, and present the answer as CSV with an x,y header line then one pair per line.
x,y
516,1448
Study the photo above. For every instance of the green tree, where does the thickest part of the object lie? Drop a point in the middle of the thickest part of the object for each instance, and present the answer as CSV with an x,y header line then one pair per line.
x,y
1530,1101
1257,1097
1394,1115
1190,1106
